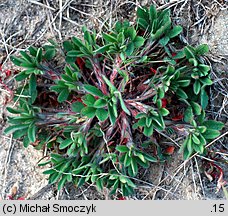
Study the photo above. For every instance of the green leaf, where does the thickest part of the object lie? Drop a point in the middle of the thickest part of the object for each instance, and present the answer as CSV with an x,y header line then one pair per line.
x,y
88,99
49,172
111,114
62,182
63,95
32,88
121,38
186,153
13,111
81,181
32,133
13,128
180,92
122,56
161,93
141,122
150,158
148,121
215,125
16,61
188,115
202,49
100,103
67,78
158,122
77,42
102,49
134,167
204,68
79,169
127,160
131,33
54,177
64,144
109,38
123,179
21,119
77,107
74,54
122,148
100,184
93,90
110,85
31,67
57,157
49,54
21,76
175,31
145,164
139,41
202,140
143,13
206,81
101,114
196,87
123,106
53,42
183,148
130,49
211,134
68,46
26,141
164,41
202,129
153,13
26,57
189,145
33,50
193,61
88,111
184,83
143,23
127,191
157,34
107,158
195,139
164,111
44,163
140,115
188,53
203,98
87,35
196,107
198,148
148,131
39,55
130,183
140,156
179,55
118,26
201,117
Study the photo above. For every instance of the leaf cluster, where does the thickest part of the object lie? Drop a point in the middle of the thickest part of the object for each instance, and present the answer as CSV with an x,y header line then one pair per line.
x,y
127,83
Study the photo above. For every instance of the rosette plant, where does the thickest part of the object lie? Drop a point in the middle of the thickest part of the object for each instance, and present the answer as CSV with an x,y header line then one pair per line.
x,y
98,111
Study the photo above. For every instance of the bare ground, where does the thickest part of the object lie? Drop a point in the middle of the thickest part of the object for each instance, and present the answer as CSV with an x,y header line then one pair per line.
x,y
26,22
